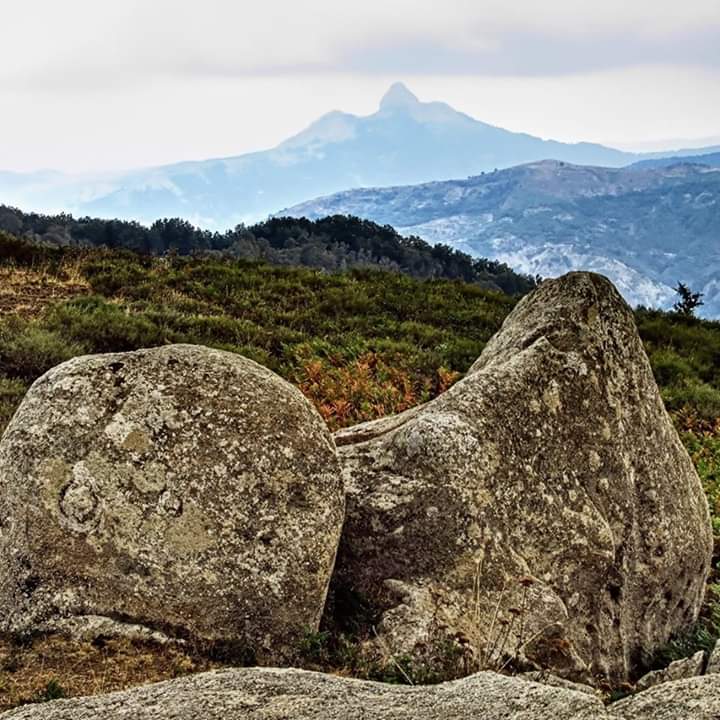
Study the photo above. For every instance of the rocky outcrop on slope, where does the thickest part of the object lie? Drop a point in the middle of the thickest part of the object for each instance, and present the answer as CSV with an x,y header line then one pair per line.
x,y
543,509
183,489
677,670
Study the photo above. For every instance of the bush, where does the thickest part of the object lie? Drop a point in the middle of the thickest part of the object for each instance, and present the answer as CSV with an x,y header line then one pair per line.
x,y
669,368
11,393
19,252
27,350
104,327
695,395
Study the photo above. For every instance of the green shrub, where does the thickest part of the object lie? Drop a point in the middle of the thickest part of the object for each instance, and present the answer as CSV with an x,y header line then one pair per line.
x,y
19,252
27,350
669,368
11,393
691,393
53,691
104,327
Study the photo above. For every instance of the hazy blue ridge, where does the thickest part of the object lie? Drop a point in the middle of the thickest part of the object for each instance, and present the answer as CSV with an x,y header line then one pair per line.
x,y
405,142
712,159
644,227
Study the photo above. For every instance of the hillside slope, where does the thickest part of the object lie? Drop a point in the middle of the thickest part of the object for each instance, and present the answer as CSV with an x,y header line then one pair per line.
x,y
331,244
360,345
645,228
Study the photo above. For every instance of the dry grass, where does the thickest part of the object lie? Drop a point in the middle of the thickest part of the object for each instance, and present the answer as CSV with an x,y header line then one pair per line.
x,y
50,667
26,292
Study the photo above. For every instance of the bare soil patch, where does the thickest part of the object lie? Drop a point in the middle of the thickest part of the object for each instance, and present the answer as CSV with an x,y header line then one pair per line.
x,y
27,292
47,668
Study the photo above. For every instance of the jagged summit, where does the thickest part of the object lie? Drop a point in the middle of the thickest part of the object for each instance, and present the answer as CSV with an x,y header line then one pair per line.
x,y
398,96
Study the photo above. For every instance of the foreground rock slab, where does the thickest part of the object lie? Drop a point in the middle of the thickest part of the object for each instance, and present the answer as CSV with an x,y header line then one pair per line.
x,y
182,489
695,698
270,694
294,694
541,511
677,670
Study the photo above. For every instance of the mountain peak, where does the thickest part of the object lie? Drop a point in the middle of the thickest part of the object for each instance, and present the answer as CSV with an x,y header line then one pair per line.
x,y
398,96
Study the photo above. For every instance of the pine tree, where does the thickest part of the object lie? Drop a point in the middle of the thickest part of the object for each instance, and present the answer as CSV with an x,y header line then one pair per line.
x,y
688,301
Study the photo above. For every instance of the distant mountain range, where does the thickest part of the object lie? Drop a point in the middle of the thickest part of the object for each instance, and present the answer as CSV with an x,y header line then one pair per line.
x,y
646,227
405,142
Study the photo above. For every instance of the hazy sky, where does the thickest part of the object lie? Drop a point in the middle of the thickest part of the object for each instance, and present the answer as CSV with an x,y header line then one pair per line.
x,y
90,84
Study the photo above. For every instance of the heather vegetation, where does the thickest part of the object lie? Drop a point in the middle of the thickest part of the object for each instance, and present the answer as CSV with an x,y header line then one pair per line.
x,y
360,344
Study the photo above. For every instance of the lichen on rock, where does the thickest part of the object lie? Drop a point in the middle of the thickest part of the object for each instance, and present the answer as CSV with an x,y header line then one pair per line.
x,y
183,489
552,461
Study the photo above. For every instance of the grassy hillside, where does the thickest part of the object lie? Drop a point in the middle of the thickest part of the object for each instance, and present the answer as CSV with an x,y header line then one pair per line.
x,y
401,340
359,344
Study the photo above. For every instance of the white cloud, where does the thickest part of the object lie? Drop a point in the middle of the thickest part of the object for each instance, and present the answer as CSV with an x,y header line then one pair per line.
x,y
75,41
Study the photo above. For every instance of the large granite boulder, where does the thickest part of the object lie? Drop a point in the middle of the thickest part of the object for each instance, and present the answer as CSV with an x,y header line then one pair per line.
x,y
187,490
540,512
268,694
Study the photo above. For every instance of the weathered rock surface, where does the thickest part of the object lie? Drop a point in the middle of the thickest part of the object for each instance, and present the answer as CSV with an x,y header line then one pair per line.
x,y
553,461
546,678
294,694
695,698
271,694
713,665
677,670
184,489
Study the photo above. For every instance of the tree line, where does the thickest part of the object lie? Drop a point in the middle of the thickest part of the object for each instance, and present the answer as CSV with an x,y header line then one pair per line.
x,y
333,244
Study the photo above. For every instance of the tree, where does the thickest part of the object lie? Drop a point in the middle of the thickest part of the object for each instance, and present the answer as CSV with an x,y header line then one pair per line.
x,y
688,301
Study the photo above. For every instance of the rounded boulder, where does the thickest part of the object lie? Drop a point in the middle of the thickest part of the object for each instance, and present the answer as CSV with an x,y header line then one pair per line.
x,y
183,489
